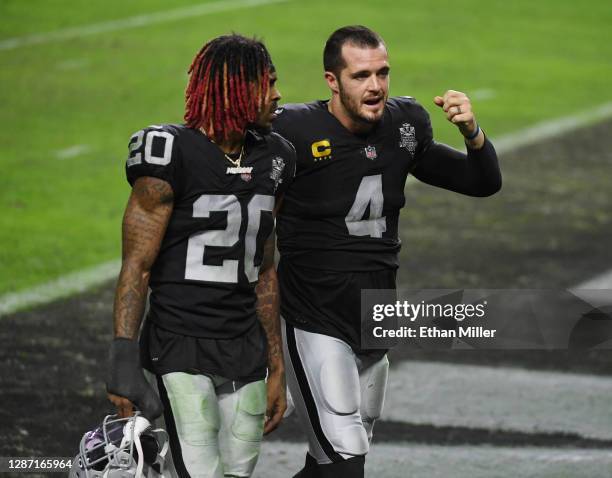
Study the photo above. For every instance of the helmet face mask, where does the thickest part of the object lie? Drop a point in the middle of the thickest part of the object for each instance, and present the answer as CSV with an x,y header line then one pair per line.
x,y
121,447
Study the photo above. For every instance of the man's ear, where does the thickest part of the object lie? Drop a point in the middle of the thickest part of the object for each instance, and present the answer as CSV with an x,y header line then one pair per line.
x,y
332,82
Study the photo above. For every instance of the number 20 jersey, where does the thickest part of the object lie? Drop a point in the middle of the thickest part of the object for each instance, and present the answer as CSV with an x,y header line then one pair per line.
x,y
203,280
338,226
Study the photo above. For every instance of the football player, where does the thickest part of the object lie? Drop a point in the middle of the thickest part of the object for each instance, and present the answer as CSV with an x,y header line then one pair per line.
x,y
198,231
338,234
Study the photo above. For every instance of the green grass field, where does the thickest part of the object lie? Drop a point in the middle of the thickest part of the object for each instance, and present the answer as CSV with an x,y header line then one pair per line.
x,y
62,212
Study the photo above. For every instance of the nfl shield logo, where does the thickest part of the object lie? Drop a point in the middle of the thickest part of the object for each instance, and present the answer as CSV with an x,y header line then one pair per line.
x,y
246,177
370,152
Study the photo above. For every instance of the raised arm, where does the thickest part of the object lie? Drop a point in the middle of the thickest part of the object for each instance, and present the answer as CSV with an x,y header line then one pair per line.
x,y
476,173
144,225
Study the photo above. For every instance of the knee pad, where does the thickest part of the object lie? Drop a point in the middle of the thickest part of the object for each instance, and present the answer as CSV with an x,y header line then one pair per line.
x,y
339,383
340,391
249,419
240,439
373,393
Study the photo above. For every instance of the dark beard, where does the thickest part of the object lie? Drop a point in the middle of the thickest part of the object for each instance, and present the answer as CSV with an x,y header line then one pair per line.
x,y
351,110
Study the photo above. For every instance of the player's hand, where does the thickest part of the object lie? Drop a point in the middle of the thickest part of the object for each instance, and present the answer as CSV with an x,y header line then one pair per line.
x,y
125,408
458,109
277,400
126,384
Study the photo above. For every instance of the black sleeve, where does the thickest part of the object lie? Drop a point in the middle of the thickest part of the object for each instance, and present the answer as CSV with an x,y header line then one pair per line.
x,y
474,174
154,152
290,123
289,165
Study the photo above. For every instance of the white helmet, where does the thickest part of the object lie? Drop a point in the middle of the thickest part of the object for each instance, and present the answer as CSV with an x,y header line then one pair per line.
x,y
121,448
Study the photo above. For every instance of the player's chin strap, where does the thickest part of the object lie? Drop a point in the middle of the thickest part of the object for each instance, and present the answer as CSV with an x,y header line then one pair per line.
x,y
135,428
131,436
164,450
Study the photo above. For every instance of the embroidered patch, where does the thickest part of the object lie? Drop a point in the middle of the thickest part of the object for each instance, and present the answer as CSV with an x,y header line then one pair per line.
x,y
408,139
370,152
276,174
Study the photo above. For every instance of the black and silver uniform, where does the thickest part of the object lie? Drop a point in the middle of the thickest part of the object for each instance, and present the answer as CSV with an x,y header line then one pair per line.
x,y
203,280
338,226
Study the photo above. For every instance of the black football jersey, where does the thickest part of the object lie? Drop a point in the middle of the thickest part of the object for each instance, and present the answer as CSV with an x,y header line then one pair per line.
x,y
341,212
338,226
203,280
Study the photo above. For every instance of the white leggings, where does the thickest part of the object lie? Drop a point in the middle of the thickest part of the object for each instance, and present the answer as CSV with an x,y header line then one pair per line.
x,y
215,430
337,394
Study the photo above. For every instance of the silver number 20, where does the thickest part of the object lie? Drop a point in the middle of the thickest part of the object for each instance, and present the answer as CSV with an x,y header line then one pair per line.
x,y
228,237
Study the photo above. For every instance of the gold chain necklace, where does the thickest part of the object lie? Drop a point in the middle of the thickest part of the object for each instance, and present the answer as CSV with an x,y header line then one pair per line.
x,y
235,162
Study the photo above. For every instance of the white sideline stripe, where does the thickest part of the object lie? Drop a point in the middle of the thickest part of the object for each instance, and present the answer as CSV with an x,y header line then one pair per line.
x,y
72,151
550,129
64,286
131,22
73,64
483,94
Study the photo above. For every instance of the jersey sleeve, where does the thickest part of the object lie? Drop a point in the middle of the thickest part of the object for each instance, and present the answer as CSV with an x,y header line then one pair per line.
x,y
290,123
288,171
476,173
412,115
426,136
284,122
154,152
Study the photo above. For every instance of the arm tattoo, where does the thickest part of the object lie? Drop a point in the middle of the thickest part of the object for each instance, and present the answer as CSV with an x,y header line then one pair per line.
x,y
268,305
144,225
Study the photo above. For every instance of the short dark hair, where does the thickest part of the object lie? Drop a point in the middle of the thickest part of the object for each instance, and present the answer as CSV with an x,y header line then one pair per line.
x,y
357,35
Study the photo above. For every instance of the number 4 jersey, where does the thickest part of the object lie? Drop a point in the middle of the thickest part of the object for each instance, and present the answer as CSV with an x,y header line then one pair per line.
x,y
338,226
203,280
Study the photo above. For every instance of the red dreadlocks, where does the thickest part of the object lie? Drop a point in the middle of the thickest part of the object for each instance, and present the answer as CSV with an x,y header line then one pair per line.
x,y
229,80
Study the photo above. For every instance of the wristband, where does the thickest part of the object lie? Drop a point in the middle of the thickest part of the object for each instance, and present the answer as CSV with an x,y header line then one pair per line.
x,y
474,135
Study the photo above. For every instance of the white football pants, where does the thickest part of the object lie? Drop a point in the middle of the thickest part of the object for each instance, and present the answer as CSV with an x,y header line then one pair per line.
x,y
337,394
215,431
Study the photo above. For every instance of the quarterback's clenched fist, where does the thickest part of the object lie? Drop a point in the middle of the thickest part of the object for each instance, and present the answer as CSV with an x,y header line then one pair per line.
x,y
458,110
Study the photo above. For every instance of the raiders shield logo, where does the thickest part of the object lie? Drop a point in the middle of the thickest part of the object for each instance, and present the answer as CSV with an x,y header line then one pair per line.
x,y
408,139
276,174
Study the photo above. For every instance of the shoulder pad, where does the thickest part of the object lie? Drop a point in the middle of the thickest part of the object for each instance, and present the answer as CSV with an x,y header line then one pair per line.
x,y
403,103
154,151
282,140
293,107
406,108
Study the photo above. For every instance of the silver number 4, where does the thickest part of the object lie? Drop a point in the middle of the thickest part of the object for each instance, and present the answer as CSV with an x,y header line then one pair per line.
x,y
369,193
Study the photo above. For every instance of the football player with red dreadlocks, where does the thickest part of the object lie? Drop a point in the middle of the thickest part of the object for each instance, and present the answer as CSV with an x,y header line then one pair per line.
x,y
198,231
